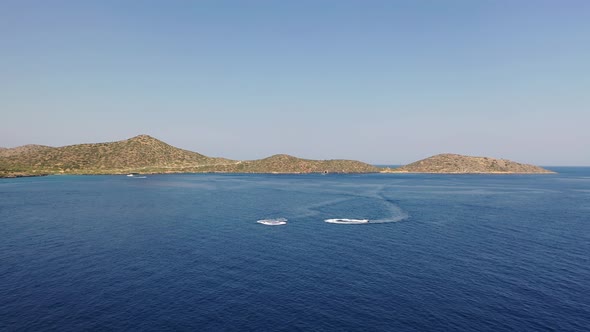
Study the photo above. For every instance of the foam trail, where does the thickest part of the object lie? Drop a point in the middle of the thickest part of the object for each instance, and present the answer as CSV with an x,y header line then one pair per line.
x,y
371,192
397,214
388,220
312,210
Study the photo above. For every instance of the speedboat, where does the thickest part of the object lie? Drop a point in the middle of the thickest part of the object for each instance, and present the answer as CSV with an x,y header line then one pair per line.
x,y
347,221
273,222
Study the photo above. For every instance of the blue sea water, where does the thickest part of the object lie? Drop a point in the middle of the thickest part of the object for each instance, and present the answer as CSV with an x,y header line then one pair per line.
x,y
184,252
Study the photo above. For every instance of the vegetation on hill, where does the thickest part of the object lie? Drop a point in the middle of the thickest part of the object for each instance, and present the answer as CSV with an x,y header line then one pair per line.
x,y
145,154
140,153
282,163
455,163
30,148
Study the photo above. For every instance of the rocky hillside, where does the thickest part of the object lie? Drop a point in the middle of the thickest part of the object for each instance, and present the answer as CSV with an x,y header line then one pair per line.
x,y
145,154
455,163
283,163
4,152
135,154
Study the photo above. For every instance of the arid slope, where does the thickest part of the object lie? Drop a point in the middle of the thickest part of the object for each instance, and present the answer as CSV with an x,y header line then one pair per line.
x,y
455,163
145,154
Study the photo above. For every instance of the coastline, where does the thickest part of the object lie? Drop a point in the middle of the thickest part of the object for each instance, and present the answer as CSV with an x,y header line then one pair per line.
x,y
451,173
14,176
25,175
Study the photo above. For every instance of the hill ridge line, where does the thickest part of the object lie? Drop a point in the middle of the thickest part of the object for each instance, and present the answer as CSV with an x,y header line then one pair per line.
x,y
146,154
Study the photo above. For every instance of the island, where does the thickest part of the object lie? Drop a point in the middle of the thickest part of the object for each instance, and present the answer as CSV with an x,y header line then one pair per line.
x,y
147,155
144,154
448,163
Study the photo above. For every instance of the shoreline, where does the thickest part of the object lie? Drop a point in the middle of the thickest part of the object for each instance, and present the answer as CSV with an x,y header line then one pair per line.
x,y
450,173
13,176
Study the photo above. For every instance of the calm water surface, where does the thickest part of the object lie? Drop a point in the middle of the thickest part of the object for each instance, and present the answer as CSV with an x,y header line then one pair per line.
x,y
184,252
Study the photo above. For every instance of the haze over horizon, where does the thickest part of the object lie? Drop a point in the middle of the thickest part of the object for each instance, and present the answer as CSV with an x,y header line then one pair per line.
x,y
385,82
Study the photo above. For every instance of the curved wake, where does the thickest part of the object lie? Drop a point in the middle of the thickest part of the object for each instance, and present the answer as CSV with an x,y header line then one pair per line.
x,y
395,214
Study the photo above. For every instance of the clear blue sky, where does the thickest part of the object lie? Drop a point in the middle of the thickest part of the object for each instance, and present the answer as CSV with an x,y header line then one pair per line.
x,y
379,81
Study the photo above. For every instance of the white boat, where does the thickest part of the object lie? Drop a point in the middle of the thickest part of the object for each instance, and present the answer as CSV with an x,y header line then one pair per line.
x,y
273,222
347,221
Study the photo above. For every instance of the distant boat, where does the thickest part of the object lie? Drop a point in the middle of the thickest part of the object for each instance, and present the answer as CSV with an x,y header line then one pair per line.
x,y
132,174
347,221
273,222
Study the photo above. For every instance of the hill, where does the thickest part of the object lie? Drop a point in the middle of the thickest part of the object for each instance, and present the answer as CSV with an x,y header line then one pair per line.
x,y
4,152
142,153
145,154
455,163
283,163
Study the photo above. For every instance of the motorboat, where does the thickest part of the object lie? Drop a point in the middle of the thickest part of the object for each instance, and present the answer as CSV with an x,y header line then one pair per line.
x,y
273,222
347,221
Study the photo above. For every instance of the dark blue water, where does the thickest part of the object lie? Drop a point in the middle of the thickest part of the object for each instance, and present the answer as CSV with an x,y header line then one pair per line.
x,y
184,252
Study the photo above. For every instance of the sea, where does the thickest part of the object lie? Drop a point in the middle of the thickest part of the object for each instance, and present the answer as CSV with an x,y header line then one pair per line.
x,y
184,252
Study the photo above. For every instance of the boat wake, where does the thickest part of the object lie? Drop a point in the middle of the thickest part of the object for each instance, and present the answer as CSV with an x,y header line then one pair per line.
x,y
394,212
377,207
